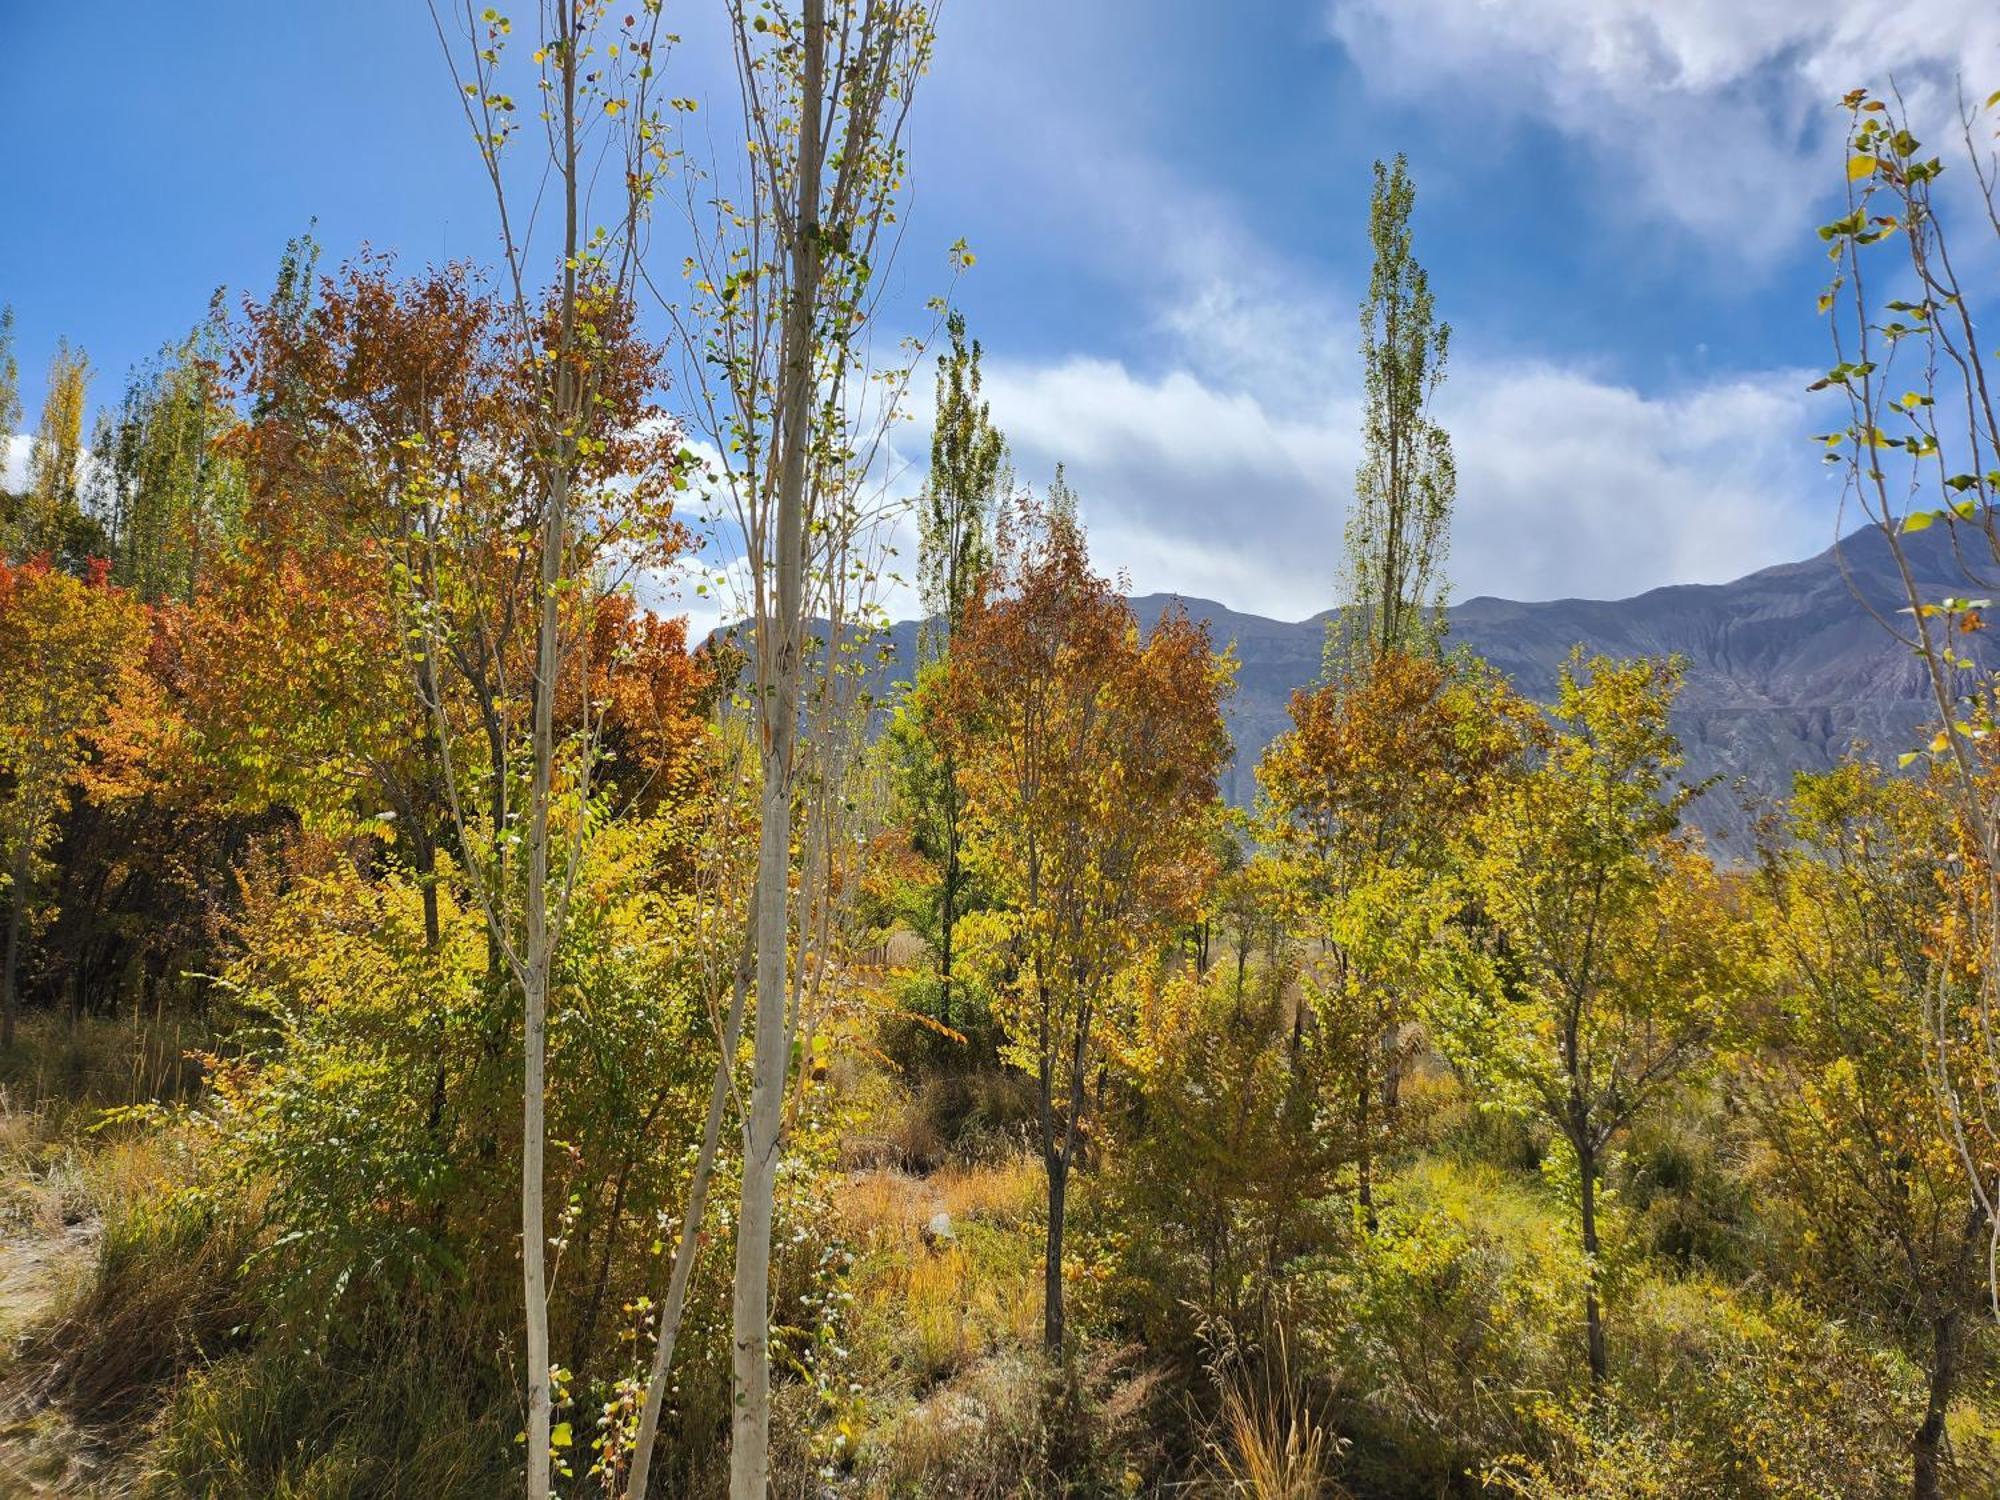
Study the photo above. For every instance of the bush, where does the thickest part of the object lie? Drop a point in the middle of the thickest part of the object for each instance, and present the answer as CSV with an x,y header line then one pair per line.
x,y
1440,1328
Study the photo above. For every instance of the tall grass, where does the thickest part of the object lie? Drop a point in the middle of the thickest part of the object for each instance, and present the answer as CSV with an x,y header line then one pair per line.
x,y
1269,1443
405,1422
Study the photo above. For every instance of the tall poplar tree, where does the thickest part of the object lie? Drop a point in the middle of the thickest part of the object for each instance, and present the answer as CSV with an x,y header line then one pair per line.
x,y
10,381
968,466
1398,530
968,456
174,494
55,463
596,80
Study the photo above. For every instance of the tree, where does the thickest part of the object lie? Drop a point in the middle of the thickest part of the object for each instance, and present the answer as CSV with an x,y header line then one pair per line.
x,y
956,512
10,380
1858,896
595,81
1383,760
967,478
52,512
1399,526
1607,954
1090,759
175,490
65,646
785,271
1920,448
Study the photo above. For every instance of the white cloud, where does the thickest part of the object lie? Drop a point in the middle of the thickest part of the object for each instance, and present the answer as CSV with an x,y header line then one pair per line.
x,y
1567,484
1572,485
1720,114
1214,455
14,451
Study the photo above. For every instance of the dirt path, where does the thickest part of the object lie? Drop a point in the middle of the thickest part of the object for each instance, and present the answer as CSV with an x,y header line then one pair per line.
x,y
40,1454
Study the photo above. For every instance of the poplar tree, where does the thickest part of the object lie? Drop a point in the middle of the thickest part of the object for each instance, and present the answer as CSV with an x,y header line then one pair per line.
x,y
596,80
968,465
968,456
10,380
174,495
1398,529
55,462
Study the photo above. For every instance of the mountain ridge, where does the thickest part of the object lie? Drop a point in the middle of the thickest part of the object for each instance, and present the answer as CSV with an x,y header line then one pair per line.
x,y
1788,668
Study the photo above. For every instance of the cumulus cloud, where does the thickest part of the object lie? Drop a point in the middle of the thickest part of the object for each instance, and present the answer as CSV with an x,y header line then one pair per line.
x,y
1567,484
1717,112
1570,485
14,451
1214,453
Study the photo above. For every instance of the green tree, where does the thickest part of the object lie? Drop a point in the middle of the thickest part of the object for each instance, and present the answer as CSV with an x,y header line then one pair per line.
x,y
968,467
10,381
53,511
1608,953
967,478
1858,895
174,492
1398,529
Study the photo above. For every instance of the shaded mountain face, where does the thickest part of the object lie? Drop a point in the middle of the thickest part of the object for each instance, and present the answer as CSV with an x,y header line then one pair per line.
x,y
1787,669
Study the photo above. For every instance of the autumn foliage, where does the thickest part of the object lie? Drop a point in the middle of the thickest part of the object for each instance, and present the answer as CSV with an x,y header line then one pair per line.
x,y
1090,753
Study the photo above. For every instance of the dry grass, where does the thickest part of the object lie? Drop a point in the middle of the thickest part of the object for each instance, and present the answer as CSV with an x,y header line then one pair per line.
x,y
73,1070
979,1435
1271,1445
950,1117
885,1203
945,1302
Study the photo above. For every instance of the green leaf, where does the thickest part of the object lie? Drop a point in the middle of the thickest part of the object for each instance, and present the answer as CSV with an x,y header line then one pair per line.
x,y
1918,521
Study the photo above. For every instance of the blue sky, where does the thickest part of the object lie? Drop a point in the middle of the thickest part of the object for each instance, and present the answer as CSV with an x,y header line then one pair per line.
x,y
1168,200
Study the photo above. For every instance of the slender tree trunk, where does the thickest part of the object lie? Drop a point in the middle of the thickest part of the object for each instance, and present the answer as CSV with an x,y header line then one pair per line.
x,y
1365,1144
1052,1281
778,648
690,1236
10,967
1927,1449
535,1011
749,1455
1592,1319
433,942
948,918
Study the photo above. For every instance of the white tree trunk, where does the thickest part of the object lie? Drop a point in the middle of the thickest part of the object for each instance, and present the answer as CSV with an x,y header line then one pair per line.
x,y
684,1253
535,998
778,652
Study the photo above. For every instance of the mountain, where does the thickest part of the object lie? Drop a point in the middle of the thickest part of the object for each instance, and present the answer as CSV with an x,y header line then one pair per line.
x,y
1787,669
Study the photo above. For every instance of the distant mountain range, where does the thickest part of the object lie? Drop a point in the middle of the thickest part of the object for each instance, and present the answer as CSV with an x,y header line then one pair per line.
x,y
1787,669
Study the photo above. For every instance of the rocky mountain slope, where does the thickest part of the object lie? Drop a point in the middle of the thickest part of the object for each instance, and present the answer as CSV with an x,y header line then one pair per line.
x,y
1787,668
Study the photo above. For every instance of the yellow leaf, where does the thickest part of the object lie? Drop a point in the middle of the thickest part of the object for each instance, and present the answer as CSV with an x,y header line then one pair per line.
x,y
1860,166
559,1436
